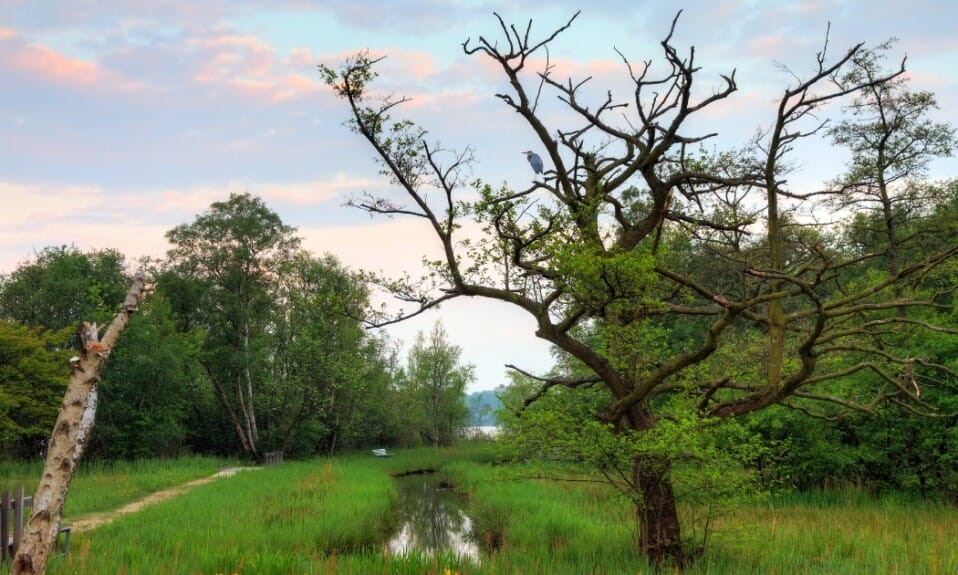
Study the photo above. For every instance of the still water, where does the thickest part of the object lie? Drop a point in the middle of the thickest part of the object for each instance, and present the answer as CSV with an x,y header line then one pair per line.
x,y
432,519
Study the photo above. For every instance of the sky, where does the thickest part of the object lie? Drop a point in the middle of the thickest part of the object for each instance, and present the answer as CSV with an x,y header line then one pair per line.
x,y
120,119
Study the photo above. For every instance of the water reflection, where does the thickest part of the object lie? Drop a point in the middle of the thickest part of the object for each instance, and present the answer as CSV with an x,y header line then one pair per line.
x,y
431,519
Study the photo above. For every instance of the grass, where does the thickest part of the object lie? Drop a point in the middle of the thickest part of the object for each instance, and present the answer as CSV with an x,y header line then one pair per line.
x,y
103,486
809,533
281,519
332,516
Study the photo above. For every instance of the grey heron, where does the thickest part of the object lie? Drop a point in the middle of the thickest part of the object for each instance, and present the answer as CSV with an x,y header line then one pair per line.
x,y
534,160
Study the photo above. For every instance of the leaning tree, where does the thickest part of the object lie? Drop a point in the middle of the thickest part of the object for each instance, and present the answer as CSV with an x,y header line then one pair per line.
x,y
586,245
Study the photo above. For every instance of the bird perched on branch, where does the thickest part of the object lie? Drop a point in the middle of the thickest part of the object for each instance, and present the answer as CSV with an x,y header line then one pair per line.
x,y
534,160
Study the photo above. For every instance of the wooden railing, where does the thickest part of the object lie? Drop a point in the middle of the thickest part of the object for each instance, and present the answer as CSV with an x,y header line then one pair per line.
x,y
12,512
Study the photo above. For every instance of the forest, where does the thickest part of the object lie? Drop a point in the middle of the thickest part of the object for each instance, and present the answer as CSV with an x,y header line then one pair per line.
x,y
247,345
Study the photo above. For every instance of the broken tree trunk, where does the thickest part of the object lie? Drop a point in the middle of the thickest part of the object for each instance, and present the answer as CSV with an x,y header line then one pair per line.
x,y
70,435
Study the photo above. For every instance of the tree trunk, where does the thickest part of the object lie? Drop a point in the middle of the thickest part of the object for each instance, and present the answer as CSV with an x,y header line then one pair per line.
x,y
69,439
658,531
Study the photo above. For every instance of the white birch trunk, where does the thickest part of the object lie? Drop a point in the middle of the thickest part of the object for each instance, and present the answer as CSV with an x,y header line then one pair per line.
x,y
68,441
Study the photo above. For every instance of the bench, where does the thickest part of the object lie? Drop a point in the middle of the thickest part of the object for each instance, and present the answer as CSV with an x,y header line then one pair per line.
x,y
273,457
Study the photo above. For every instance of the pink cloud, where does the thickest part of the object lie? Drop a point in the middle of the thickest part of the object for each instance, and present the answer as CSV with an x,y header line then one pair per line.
x,y
249,66
397,63
25,205
767,46
301,58
33,216
317,191
38,61
565,68
392,246
813,7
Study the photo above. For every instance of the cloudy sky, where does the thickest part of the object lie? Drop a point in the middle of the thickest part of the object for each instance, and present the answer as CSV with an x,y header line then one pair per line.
x,y
122,118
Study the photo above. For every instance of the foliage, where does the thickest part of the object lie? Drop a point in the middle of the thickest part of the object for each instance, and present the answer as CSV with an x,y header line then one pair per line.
x,y
231,255
62,286
149,388
329,374
713,463
33,375
435,382
245,332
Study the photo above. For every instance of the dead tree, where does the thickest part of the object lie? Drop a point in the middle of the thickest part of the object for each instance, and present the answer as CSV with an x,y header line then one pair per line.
x,y
70,435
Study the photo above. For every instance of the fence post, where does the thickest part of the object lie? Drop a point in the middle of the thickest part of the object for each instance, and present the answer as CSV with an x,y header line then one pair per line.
x,y
5,526
18,520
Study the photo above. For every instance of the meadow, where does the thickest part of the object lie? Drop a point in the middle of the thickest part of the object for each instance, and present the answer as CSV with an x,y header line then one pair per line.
x,y
331,516
104,486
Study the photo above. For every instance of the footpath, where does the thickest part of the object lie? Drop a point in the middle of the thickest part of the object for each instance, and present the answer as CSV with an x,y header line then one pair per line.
x,y
93,521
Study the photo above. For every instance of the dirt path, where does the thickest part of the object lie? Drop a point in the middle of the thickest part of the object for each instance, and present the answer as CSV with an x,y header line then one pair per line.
x,y
93,521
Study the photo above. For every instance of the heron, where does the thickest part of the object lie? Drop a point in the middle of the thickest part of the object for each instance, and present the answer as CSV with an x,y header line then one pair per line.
x,y
534,160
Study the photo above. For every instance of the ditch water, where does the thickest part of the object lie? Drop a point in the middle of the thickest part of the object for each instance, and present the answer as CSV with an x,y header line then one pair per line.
x,y
432,519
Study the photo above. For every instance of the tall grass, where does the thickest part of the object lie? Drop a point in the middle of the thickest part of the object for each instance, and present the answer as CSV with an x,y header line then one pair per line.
x,y
333,516
848,533
104,486
282,519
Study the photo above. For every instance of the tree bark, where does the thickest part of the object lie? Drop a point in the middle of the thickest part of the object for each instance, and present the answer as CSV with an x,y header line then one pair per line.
x,y
658,530
68,441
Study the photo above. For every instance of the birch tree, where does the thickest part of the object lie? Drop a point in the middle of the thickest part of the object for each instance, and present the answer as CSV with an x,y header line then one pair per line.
x,y
70,436
232,254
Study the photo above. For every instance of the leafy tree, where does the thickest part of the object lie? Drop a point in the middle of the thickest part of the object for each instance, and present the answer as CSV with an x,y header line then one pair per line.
x,y
435,377
326,368
63,286
49,296
894,448
33,376
585,250
149,387
892,140
230,257
372,417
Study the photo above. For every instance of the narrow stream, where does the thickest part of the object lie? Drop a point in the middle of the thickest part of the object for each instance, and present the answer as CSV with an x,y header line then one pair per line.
x,y
431,519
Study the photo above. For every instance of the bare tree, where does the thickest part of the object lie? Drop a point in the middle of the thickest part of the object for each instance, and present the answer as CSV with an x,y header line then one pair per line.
x,y
70,435
584,246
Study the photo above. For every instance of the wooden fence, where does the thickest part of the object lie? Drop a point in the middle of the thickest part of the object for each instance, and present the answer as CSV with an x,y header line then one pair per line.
x,y
12,511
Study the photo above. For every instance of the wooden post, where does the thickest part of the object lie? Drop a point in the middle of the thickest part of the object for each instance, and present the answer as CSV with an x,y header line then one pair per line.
x,y
70,435
18,520
5,525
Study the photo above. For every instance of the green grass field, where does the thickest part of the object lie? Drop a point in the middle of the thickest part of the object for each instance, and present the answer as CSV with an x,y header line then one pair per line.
x,y
104,486
332,516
